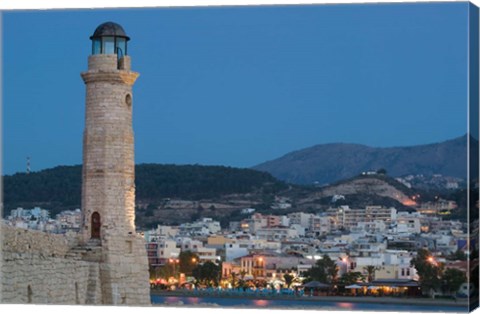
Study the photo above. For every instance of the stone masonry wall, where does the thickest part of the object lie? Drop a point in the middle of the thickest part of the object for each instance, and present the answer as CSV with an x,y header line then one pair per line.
x,y
41,268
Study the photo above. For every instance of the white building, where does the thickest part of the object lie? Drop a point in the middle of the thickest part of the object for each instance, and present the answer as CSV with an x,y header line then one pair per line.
x,y
347,218
390,264
203,227
234,250
167,249
254,223
376,226
206,254
300,218
277,233
195,246
408,223
167,231
70,219
253,243
35,213
284,221
247,210
318,225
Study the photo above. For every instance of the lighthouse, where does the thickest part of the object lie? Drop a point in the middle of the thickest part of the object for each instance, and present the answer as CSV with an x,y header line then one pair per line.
x,y
108,173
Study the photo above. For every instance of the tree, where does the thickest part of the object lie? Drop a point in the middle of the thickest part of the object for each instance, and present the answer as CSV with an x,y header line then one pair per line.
x,y
152,272
382,171
242,274
428,270
457,256
288,279
187,262
350,278
370,269
164,272
475,275
452,279
234,280
325,270
208,274
149,213
195,216
260,283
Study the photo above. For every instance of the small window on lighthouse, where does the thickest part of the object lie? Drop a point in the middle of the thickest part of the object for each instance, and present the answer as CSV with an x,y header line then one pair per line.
x,y
96,46
108,45
95,226
128,100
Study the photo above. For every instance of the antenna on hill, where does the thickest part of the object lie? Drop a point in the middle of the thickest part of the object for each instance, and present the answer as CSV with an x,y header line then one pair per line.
x,y
28,165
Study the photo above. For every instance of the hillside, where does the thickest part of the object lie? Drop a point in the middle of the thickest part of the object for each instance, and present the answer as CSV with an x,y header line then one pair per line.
x,y
59,188
329,163
364,190
358,192
170,194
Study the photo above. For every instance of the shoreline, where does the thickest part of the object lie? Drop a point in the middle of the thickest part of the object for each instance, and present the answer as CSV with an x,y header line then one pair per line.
x,y
362,299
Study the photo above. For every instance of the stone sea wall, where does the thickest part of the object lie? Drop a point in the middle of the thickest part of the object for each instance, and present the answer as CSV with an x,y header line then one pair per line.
x,y
41,268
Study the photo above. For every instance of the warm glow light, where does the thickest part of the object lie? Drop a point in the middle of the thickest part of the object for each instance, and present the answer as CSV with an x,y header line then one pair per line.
x,y
260,259
261,303
409,202
345,305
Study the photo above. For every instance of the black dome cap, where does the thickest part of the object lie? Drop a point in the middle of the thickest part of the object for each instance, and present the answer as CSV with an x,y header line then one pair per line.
x,y
109,29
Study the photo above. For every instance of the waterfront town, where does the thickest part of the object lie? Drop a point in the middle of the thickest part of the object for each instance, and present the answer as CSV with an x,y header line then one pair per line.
x,y
375,251
238,232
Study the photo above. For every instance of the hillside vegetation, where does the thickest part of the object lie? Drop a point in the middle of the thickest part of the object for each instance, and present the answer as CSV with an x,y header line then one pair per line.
x,y
59,188
172,194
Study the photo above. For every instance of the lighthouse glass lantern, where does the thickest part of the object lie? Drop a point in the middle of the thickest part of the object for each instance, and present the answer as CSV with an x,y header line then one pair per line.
x,y
109,38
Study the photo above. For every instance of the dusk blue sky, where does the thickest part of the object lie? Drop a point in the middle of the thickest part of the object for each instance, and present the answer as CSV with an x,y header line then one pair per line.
x,y
238,86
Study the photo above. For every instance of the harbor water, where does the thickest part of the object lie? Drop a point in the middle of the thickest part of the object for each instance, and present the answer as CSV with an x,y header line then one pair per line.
x,y
203,301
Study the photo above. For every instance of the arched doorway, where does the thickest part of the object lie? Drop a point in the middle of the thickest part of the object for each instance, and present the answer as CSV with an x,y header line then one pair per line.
x,y
95,225
77,297
29,294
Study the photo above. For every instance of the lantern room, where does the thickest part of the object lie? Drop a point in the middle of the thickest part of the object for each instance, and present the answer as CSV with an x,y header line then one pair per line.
x,y
109,38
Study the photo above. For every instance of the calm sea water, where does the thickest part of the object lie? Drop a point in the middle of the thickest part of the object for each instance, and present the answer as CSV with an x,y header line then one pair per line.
x,y
320,305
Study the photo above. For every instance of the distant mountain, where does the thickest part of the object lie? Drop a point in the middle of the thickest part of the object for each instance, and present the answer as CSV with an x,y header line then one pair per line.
x,y
333,162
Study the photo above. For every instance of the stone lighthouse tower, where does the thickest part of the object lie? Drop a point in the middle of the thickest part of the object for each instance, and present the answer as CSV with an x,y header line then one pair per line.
x,y
108,178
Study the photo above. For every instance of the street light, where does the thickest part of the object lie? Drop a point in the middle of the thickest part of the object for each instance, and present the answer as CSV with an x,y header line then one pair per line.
x,y
345,262
174,262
